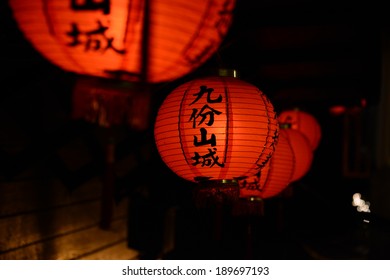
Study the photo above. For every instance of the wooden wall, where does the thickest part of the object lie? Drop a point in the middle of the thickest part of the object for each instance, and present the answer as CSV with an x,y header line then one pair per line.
x,y
52,175
41,219
380,192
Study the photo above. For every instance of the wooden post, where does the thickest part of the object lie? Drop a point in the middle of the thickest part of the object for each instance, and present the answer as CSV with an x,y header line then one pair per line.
x,y
107,198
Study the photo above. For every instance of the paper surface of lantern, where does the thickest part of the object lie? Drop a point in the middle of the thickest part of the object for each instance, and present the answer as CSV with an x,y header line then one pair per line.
x,y
149,40
303,153
305,123
274,177
216,128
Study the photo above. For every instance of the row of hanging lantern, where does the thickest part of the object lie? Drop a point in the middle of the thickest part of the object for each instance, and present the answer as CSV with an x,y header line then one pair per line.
x,y
215,131
290,163
119,50
119,43
220,130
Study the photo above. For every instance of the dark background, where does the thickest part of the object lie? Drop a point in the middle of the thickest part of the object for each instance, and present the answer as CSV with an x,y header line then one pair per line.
x,y
306,54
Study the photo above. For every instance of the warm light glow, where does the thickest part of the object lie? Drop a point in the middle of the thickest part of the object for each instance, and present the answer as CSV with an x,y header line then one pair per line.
x,y
105,38
360,204
337,110
216,128
363,102
305,123
274,177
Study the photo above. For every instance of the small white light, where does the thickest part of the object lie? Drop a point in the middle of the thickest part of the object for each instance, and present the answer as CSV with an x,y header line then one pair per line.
x,y
361,204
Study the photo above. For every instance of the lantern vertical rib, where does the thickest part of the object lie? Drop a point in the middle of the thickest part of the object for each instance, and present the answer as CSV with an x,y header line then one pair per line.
x,y
46,17
228,125
145,43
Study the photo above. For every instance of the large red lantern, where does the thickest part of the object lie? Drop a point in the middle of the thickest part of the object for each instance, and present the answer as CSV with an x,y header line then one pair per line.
x,y
274,177
303,122
303,154
140,40
216,128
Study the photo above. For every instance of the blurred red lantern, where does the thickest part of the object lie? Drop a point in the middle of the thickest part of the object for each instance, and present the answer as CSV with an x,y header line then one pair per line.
x,y
216,128
141,40
274,177
305,123
337,110
303,154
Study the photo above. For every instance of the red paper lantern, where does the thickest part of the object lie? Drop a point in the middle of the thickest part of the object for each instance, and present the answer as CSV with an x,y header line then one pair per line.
x,y
216,128
274,177
305,123
303,154
147,40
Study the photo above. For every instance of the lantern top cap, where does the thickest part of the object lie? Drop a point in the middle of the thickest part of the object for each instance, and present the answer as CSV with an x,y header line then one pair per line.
x,y
227,72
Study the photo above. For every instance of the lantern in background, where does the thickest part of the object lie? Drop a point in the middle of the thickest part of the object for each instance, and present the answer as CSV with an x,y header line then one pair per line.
x,y
268,182
141,40
274,177
337,110
303,154
303,122
215,129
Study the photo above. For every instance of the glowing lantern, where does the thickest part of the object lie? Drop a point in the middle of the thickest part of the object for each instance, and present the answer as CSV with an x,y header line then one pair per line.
x,y
216,129
303,122
303,154
140,40
274,177
337,110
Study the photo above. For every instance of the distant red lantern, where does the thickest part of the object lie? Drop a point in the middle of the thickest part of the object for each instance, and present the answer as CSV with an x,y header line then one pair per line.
x,y
305,123
216,128
141,40
337,110
274,177
303,154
